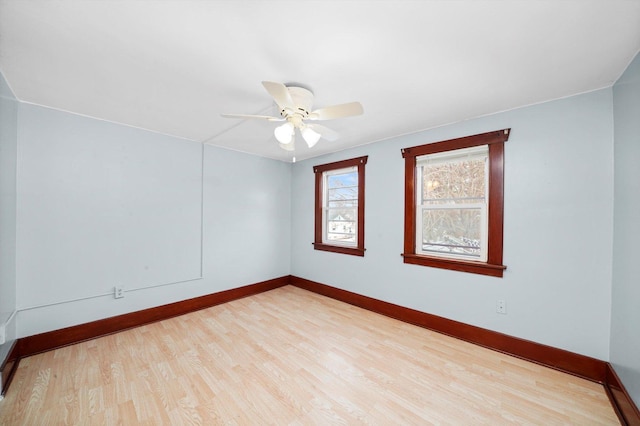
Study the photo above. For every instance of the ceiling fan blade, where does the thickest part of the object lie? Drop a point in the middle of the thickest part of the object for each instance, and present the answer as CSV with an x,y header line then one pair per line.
x,y
337,111
280,94
325,132
263,117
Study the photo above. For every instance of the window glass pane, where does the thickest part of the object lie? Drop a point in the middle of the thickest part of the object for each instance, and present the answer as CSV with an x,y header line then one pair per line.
x,y
342,188
447,180
455,231
342,197
454,182
341,202
341,225
345,177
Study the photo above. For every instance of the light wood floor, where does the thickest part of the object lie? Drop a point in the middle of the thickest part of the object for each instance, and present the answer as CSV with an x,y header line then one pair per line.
x,y
289,356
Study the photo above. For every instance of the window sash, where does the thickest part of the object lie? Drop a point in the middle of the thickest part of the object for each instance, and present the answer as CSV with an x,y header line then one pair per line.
x,y
348,228
457,155
475,153
330,201
483,225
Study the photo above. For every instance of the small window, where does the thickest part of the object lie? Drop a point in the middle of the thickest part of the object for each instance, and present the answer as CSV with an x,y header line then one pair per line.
x,y
339,207
454,204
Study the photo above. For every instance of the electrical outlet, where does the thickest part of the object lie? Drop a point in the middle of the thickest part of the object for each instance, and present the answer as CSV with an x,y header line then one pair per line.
x,y
118,292
501,307
2,334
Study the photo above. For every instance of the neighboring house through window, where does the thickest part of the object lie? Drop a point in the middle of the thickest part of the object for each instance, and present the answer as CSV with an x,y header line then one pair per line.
x,y
339,206
454,203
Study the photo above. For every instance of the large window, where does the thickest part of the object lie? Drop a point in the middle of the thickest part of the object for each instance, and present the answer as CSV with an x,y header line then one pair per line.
x,y
454,203
339,206
451,203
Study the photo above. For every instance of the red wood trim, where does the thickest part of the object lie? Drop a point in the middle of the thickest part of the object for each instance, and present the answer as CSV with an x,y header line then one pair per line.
x,y
8,368
493,266
340,164
409,205
355,251
559,359
361,197
624,406
317,230
496,204
488,138
318,244
78,333
480,268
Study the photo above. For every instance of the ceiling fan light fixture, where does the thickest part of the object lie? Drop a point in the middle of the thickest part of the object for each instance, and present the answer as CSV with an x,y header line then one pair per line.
x,y
288,146
284,133
294,105
310,136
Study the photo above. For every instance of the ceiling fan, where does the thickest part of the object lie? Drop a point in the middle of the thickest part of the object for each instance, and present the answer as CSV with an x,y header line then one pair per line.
x,y
294,104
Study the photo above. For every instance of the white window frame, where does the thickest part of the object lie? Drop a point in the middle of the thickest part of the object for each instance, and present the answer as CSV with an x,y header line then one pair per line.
x,y
476,152
326,209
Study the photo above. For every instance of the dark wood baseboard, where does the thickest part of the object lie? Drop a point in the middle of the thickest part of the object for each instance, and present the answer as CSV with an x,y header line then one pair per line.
x,y
568,362
8,368
38,343
579,365
625,408
78,333
559,359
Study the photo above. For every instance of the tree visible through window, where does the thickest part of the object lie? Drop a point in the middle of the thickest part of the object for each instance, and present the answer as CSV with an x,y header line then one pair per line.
x,y
339,206
454,203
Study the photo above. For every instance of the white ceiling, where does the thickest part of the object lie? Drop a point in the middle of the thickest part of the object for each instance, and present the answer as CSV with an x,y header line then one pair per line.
x,y
174,66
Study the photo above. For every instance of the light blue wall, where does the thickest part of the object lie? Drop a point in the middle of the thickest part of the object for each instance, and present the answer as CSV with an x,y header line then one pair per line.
x,y
558,229
625,315
8,143
103,205
100,204
247,218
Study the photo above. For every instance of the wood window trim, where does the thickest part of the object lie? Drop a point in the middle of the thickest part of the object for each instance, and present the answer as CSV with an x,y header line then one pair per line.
x,y
493,266
318,244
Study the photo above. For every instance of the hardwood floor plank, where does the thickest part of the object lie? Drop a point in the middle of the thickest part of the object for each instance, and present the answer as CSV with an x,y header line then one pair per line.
x,y
289,356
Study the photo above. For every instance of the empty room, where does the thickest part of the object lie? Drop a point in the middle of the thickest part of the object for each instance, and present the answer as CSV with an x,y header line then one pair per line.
x,y
319,212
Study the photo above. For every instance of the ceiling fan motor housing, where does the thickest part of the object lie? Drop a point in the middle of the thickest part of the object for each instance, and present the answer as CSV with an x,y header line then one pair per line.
x,y
302,100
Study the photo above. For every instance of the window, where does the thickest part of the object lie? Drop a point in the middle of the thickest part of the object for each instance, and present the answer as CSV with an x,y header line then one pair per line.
x,y
339,206
454,204
451,203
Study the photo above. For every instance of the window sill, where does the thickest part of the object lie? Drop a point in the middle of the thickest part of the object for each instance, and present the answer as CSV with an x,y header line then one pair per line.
x,y
455,264
355,251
